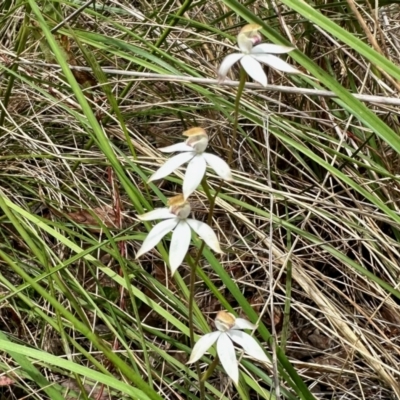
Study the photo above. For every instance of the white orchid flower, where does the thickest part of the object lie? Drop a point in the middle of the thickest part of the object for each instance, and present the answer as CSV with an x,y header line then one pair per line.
x,y
251,57
228,331
192,151
177,222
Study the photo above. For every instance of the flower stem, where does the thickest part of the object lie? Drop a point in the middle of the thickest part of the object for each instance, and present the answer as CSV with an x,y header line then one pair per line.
x,y
210,369
192,290
210,198
193,268
242,82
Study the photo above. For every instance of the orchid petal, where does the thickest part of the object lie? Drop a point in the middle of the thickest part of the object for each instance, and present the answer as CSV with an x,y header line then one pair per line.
x,y
156,234
203,344
254,69
276,62
179,245
227,64
158,213
267,48
227,356
205,233
194,174
249,344
220,167
241,323
171,165
176,147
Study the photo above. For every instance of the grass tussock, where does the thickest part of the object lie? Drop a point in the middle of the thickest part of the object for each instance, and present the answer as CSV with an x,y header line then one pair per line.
x,y
310,226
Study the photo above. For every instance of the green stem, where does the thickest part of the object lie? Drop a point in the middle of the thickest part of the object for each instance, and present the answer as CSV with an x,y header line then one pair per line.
x,y
211,199
210,369
193,281
192,284
242,81
191,313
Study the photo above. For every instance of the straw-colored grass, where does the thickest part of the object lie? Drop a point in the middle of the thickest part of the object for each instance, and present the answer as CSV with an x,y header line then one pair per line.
x,y
310,225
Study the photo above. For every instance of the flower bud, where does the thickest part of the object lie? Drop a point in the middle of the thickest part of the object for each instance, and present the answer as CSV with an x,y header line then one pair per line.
x,y
179,207
224,321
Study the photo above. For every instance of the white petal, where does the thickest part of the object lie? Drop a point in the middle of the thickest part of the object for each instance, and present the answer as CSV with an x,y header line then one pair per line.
x,y
220,167
203,344
227,356
249,344
194,174
205,233
254,69
179,245
158,213
241,323
176,147
227,64
171,165
271,48
156,234
276,62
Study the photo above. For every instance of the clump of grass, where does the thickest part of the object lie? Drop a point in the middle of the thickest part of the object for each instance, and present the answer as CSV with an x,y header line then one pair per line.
x,y
310,223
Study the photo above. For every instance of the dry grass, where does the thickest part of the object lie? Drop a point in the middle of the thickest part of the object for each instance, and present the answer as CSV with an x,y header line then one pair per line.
x,y
342,331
